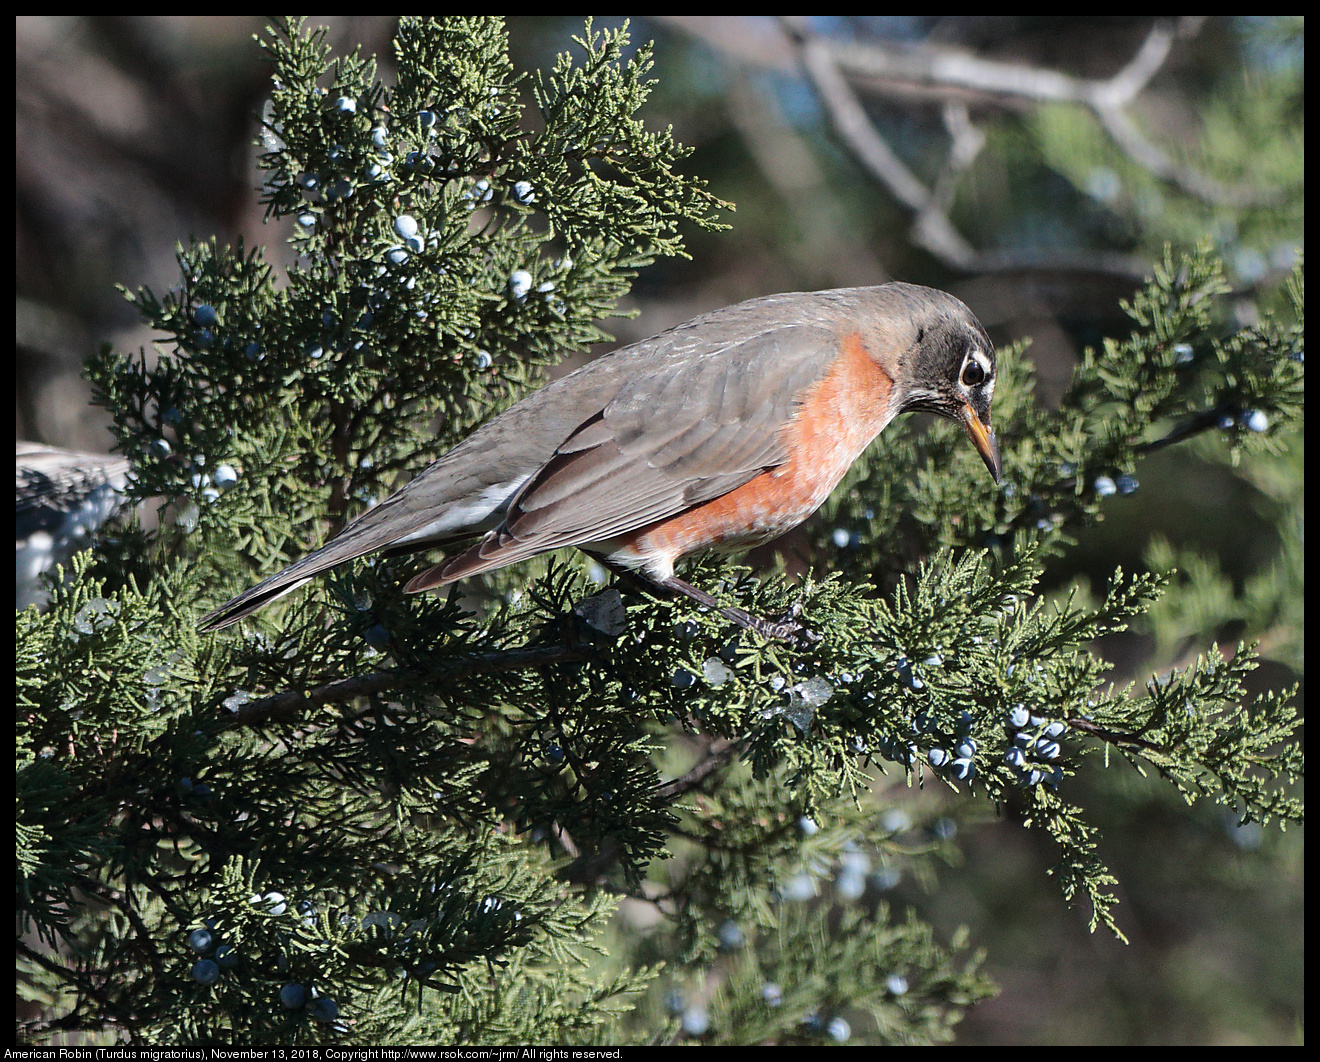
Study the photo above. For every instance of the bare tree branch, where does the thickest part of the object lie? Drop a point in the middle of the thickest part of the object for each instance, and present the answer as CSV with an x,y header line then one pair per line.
x,y
946,70
932,228
838,70
826,248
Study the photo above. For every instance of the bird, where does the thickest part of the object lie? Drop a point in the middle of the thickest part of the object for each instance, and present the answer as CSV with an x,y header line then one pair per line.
x,y
61,498
718,434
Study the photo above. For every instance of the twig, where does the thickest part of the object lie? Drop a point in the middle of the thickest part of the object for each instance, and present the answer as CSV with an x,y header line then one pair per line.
x,y
719,754
84,985
1112,736
286,707
1194,425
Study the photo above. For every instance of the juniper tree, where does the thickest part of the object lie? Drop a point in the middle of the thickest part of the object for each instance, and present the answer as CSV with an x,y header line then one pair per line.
x,y
537,810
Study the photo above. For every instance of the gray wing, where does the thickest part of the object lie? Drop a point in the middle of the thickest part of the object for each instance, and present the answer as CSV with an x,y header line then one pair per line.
x,y
683,434
637,435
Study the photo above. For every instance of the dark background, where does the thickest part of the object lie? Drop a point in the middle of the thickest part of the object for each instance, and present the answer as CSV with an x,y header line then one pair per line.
x,y
134,133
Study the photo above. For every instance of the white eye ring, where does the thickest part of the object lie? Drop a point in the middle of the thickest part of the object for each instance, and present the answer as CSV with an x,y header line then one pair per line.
x,y
976,368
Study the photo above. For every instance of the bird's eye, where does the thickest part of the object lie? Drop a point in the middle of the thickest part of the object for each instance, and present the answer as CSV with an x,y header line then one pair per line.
x,y
974,371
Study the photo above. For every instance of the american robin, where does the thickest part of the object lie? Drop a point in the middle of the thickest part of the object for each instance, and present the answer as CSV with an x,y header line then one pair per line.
x,y
722,433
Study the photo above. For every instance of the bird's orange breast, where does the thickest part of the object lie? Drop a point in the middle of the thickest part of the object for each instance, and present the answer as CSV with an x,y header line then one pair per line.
x,y
836,419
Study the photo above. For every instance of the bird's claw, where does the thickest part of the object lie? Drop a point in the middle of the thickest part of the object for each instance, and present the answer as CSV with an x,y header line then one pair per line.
x,y
787,628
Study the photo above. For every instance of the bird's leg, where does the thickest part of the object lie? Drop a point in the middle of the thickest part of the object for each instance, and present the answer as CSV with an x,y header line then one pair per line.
x,y
785,629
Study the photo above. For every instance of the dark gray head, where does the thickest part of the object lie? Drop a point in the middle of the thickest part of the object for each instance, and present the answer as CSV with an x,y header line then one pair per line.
x,y
947,362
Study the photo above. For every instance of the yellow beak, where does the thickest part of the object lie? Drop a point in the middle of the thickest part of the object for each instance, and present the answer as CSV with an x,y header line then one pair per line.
x,y
983,438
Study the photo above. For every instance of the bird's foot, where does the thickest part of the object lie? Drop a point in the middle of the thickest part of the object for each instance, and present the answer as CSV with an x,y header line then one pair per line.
x,y
785,628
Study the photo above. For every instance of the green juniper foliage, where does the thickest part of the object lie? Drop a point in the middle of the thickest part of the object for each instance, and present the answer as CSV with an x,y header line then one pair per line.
x,y
535,811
